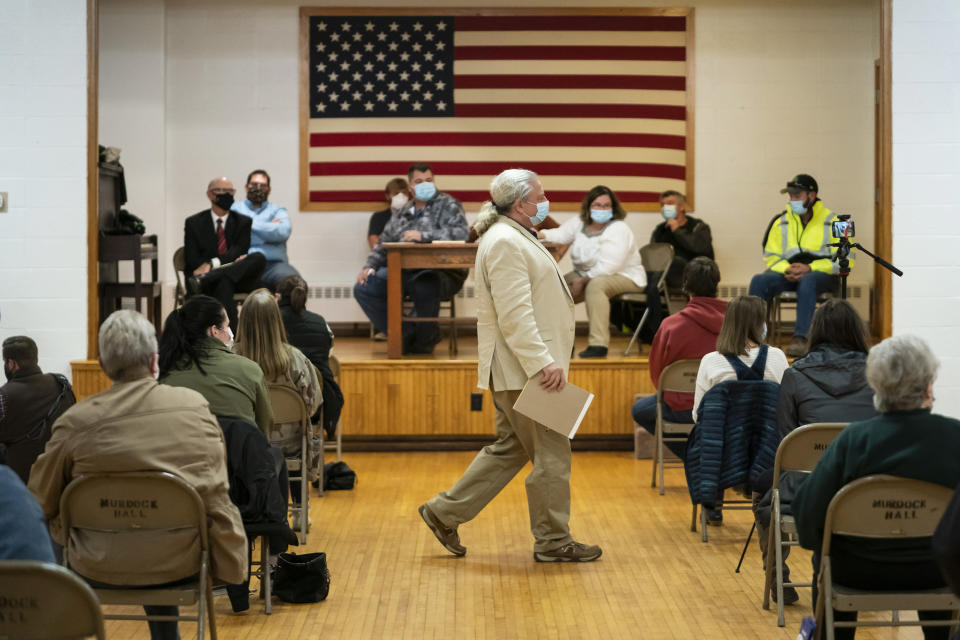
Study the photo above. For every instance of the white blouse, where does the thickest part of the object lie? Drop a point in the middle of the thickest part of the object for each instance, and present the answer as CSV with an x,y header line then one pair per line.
x,y
613,250
714,369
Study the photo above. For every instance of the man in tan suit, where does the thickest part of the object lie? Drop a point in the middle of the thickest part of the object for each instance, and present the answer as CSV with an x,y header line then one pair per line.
x,y
139,425
525,328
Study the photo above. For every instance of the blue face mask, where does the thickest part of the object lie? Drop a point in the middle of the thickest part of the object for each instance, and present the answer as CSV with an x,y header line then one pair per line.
x,y
668,211
424,191
543,210
798,207
601,216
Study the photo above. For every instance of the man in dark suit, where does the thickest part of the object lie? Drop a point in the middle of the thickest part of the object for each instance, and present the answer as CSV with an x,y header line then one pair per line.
x,y
215,245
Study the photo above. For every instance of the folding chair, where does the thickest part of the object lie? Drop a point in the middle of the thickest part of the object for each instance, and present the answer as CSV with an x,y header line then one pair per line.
x,y
288,406
677,377
62,604
799,451
180,293
783,299
863,509
133,510
656,256
338,445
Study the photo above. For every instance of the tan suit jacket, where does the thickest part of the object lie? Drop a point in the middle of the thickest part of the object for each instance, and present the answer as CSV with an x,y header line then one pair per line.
x,y
525,315
143,426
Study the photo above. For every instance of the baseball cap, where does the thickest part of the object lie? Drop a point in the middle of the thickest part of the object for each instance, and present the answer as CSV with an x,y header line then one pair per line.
x,y
801,181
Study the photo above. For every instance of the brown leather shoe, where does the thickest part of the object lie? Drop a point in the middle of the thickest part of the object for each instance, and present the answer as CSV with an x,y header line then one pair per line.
x,y
797,347
570,552
448,537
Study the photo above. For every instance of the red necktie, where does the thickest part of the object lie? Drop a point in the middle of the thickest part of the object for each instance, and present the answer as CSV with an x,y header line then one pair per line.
x,y
221,238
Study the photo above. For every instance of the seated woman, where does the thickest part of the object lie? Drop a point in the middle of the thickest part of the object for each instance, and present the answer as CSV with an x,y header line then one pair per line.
x,y
905,440
261,338
195,353
740,355
309,332
829,384
606,261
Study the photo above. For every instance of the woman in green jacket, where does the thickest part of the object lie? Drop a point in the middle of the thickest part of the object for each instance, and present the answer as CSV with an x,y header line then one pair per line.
x,y
195,353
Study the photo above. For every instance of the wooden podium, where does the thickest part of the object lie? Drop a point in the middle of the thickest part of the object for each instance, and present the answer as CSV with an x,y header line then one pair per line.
x,y
115,249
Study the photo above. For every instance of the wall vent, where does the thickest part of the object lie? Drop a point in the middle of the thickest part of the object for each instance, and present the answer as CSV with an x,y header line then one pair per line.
x,y
728,291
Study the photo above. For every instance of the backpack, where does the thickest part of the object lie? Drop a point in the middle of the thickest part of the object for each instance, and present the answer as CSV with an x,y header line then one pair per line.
x,y
337,475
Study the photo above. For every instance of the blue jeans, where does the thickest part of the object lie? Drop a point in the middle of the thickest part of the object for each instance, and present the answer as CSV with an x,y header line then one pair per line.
x,y
426,287
645,414
274,272
770,283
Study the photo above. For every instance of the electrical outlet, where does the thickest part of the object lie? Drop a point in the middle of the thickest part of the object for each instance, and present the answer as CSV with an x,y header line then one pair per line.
x,y
3,201
476,402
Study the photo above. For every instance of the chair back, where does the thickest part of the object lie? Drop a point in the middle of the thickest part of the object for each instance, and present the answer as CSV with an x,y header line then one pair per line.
x,y
657,256
335,368
676,377
882,506
178,267
802,448
287,405
44,600
130,512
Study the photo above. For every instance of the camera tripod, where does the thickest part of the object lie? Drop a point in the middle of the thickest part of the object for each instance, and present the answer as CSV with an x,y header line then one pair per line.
x,y
842,258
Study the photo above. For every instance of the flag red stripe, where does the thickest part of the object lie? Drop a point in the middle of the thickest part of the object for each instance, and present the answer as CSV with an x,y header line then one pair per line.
x,y
505,110
666,83
376,195
495,139
568,53
571,23
646,169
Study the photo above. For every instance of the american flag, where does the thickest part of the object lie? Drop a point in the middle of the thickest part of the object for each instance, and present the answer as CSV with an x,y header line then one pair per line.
x,y
580,99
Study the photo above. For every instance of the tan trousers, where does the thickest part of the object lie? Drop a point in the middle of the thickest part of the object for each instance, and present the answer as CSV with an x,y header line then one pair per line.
x,y
519,439
597,298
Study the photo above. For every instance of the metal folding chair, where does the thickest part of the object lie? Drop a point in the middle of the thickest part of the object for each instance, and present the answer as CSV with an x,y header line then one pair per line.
x,y
799,451
62,604
133,509
287,407
863,509
677,377
656,256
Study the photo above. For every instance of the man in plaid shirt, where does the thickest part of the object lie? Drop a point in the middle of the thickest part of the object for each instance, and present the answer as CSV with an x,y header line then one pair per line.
x,y
430,216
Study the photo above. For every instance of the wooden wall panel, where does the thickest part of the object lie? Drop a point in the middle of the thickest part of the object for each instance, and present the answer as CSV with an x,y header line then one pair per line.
x,y
88,379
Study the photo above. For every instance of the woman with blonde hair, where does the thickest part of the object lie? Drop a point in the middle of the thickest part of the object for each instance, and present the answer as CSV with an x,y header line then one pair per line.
x,y
262,338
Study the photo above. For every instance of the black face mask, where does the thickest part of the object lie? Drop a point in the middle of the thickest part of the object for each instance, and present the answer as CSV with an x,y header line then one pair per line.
x,y
256,194
224,201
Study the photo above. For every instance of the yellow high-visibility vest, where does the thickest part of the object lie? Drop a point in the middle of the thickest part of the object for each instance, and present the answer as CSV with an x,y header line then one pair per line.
x,y
789,241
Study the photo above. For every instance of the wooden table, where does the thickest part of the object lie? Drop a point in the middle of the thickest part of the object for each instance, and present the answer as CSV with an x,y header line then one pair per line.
x,y
417,255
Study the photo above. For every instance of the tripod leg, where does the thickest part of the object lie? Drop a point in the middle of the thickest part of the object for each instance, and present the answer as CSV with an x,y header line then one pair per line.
x,y
745,545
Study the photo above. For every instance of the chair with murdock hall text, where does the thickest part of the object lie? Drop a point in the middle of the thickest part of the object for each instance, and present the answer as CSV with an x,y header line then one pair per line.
x,y
40,600
889,508
130,512
799,452
288,407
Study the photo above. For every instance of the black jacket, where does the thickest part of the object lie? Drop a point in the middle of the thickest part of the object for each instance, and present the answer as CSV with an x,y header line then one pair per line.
x,y
946,543
257,472
691,240
826,385
308,332
200,239
29,404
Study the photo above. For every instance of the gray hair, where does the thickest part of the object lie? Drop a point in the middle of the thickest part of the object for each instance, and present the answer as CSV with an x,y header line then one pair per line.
x,y
899,370
127,344
509,186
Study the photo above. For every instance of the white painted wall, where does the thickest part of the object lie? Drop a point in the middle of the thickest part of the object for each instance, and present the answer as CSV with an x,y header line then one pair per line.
x,y
926,175
781,88
43,110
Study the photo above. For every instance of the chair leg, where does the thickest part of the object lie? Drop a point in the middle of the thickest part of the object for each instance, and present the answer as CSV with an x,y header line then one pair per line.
x,y
767,564
636,334
775,539
211,614
339,439
653,478
660,455
693,519
703,524
265,578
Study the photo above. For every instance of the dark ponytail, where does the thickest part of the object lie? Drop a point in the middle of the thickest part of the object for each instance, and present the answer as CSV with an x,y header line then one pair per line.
x,y
184,329
293,291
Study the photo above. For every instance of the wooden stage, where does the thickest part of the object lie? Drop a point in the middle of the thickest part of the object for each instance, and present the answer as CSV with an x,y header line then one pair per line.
x,y
424,402
391,579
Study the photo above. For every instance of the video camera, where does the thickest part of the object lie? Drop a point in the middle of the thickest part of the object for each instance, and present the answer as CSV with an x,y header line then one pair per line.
x,y
843,227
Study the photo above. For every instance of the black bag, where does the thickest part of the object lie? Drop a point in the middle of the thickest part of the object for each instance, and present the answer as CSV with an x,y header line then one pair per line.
x,y
337,475
302,578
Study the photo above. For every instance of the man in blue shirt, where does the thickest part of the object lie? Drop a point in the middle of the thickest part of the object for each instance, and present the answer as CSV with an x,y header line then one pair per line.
x,y
270,231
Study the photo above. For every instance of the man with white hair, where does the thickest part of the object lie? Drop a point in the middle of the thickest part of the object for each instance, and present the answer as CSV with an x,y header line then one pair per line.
x,y
905,440
140,425
525,330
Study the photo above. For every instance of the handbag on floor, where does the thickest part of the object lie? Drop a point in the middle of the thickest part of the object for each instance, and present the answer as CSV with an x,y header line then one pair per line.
x,y
302,578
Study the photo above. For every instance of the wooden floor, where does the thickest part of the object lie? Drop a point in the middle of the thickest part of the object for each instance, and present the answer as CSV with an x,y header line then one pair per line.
x,y
391,579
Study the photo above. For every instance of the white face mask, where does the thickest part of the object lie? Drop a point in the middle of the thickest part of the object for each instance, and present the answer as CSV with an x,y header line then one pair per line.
x,y
398,201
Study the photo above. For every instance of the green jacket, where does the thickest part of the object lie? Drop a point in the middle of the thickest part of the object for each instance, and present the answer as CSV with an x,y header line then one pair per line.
x,y
910,444
233,385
